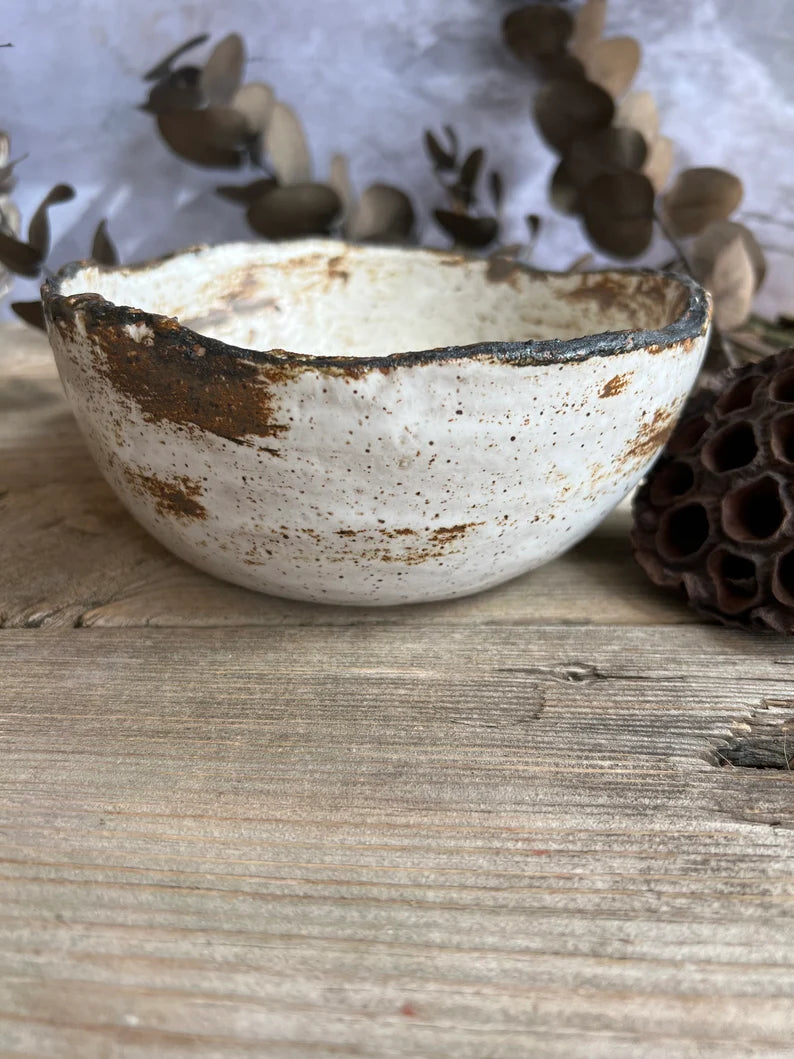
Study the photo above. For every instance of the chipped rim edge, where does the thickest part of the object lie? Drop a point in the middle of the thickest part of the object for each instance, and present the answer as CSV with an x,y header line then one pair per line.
x,y
693,322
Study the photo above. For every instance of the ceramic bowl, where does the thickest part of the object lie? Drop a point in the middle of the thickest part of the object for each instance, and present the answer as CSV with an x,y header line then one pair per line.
x,y
361,424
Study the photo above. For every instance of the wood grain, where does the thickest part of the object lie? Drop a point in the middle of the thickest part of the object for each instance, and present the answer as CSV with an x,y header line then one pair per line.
x,y
71,555
382,841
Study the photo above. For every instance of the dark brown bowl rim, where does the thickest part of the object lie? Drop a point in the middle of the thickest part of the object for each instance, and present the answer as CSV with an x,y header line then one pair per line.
x,y
693,322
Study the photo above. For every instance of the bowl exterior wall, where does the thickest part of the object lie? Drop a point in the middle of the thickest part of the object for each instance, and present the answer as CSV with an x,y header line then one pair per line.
x,y
367,485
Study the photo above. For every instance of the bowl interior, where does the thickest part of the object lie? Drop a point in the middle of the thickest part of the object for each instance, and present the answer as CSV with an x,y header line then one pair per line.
x,y
325,298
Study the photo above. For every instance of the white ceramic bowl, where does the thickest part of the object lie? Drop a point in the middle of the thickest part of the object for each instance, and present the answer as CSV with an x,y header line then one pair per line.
x,y
359,424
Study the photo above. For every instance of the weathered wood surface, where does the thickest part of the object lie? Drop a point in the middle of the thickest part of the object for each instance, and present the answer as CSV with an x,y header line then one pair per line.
x,y
71,555
502,827
375,841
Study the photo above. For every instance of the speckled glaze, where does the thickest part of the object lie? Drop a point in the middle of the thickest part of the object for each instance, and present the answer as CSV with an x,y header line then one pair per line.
x,y
365,425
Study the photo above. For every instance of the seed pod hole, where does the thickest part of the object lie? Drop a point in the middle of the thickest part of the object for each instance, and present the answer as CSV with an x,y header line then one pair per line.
x,y
673,481
783,387
735,579
740,395
683,531
687,435
733,447
783,579
753,512
783,438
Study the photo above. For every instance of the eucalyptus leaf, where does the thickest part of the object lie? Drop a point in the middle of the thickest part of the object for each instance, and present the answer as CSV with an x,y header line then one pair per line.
x,y
246,193
39,227
31,312
452,136
699,196
470,170
179,90
566,110
210,137
294,210
442,158
605,151
731,283
712,241
7,178
638,111
588,27
560,65
618,212
496,187
563,191
384,214
102,249
286,146
537,31
659,163
163,67
613,64
255,102
462,191
19,257
6,167
223,71
475,232
9,217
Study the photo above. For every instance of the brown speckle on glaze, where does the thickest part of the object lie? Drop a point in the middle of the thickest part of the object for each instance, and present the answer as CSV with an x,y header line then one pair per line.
x,y
444,534
174,497
651,436
617,384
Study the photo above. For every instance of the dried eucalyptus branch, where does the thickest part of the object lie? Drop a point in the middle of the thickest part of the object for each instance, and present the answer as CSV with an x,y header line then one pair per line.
x,y
614,165
209,117
470,227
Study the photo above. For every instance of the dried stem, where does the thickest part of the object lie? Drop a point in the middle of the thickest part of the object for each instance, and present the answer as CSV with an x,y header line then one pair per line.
x,y
673,241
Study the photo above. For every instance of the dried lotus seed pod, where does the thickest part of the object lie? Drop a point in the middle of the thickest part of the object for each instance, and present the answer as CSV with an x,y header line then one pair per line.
x,y
715,516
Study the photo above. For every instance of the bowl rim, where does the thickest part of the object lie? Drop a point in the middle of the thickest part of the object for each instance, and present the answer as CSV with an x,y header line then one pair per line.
x,y
693,322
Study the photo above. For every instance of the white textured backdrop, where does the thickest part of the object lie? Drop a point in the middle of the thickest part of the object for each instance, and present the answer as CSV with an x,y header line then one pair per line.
x,y
366,79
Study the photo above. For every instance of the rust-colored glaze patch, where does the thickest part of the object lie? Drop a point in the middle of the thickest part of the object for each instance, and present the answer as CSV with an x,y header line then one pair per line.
x,y
173,497
650,437
445,534
617,384
409,558
403,531
609,291
438,546
171,380
603,290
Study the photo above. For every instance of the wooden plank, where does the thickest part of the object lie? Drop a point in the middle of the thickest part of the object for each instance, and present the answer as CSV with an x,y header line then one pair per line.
x,y
393,841
70,554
